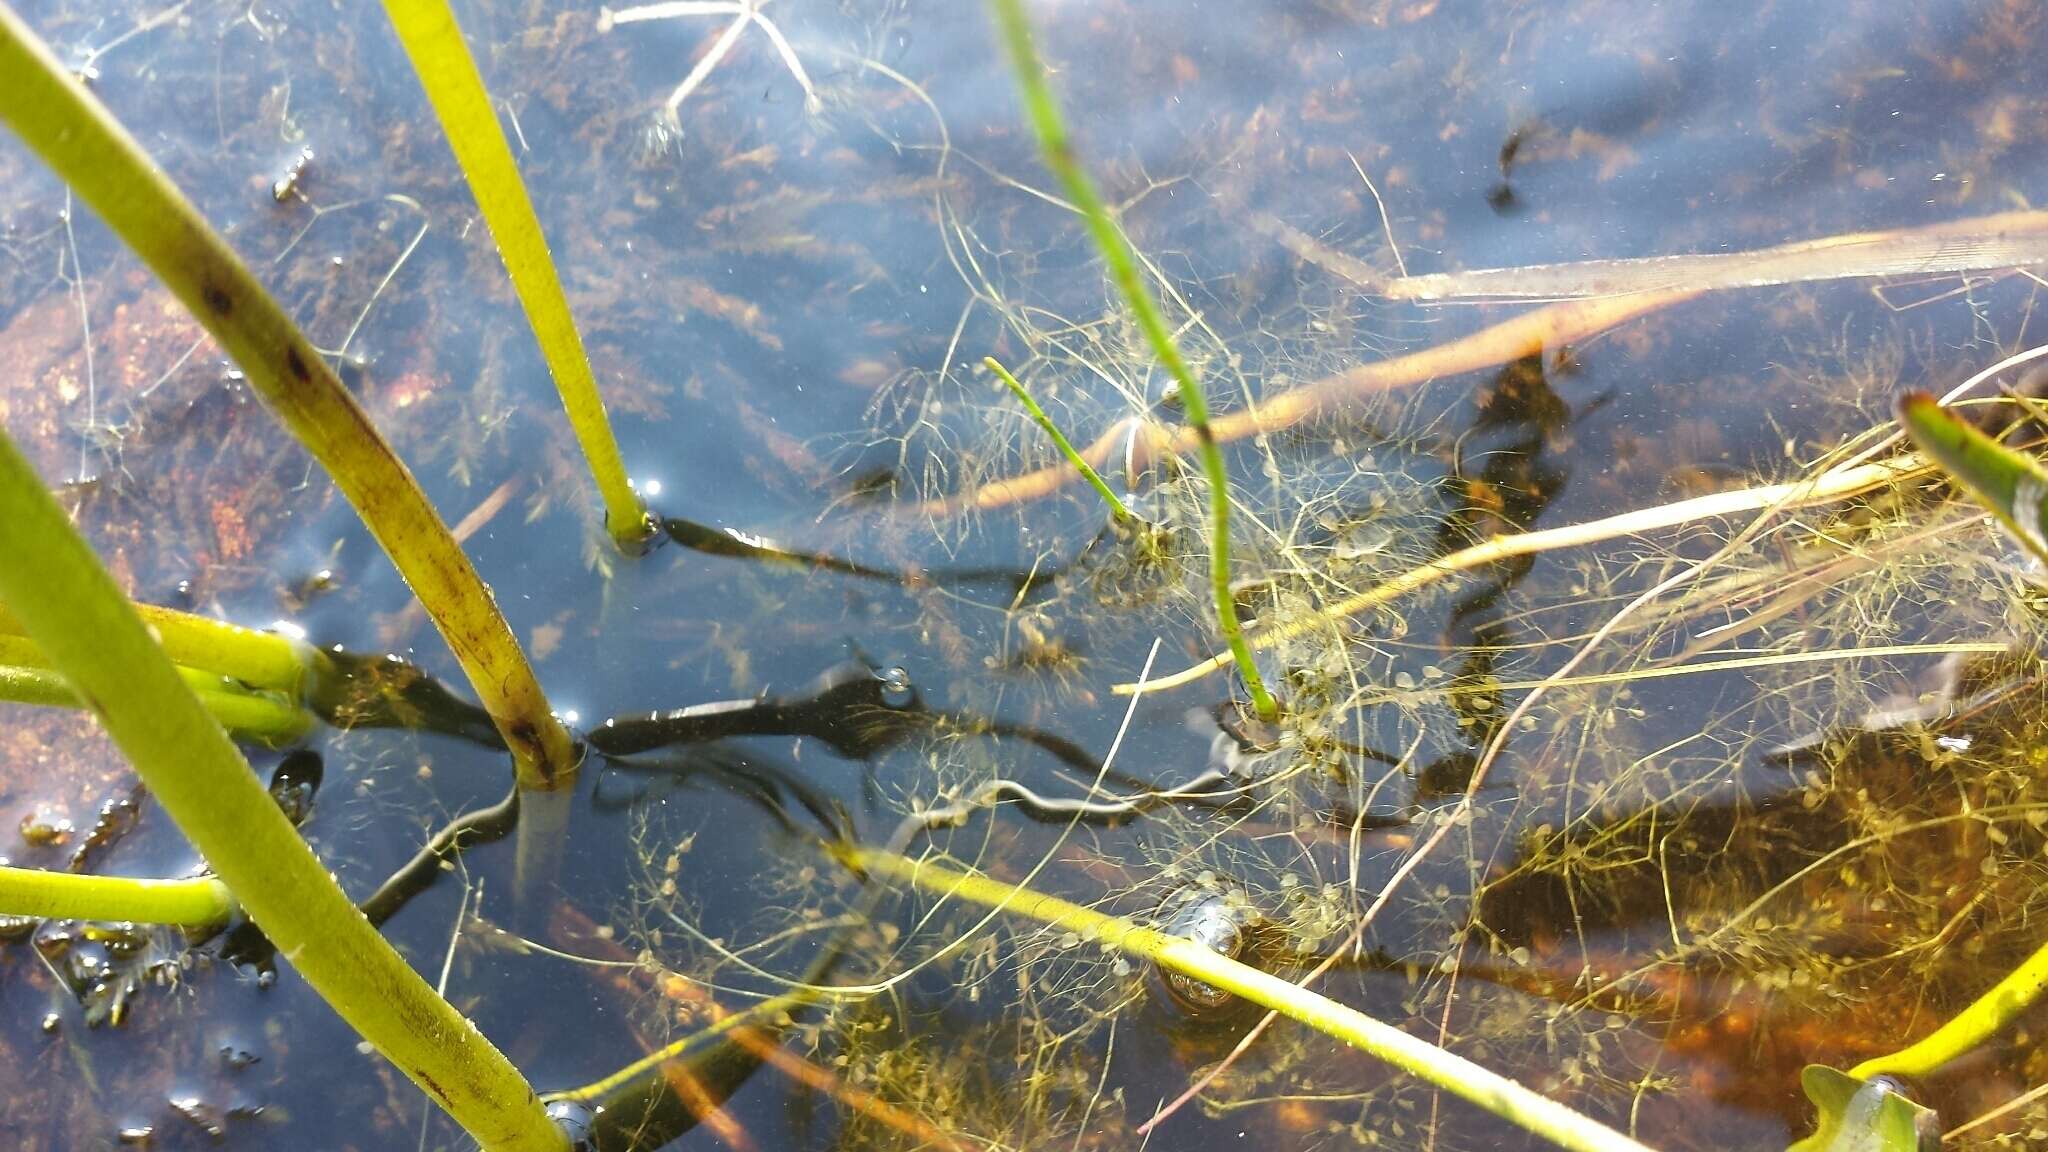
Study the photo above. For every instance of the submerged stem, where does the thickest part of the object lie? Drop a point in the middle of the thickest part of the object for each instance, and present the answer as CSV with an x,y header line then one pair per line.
x,y
71,608
1116,254
193,903
433,42
1509,1100
77,138
265,660
249,715
1060,441
1984,1018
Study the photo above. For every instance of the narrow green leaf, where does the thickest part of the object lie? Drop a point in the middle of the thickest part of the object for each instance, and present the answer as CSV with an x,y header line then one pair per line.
x,y
2012,485
1060,441
433,41
1057,149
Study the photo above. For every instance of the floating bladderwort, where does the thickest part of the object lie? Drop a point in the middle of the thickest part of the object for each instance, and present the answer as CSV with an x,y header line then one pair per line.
x,y
76,136
433,41
1058,149
1864,1108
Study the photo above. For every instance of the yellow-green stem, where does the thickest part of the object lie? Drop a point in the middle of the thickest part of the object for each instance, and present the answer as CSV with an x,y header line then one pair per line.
x,y
251,716
1123,269
1060,441
1985,1017
1497,1094
76,136
433,41
258,659
196,903
71,608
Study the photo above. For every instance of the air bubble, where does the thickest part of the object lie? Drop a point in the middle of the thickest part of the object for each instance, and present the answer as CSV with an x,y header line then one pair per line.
x,y
576,1121
896,689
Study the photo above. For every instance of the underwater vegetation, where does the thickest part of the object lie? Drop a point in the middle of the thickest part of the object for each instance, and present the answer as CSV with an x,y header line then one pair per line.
x,y
875,575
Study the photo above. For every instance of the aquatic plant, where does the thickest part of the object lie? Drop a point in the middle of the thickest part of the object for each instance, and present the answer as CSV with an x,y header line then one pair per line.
x,y
1645,810
1198,960
1121,514
1044,112
433,41
73,610
52,111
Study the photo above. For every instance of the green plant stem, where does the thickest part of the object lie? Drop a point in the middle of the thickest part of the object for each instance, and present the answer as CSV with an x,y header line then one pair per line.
x,y
433,41
1059,439
259,659
1123,268
1497,1094
71,608
262,718
76,136
196,903
1984,1018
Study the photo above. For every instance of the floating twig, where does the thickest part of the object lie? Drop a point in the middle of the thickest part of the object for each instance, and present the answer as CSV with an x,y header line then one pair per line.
x,y
1976,244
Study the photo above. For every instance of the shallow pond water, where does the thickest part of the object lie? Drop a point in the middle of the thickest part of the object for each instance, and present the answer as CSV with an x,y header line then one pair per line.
x,y
1788,811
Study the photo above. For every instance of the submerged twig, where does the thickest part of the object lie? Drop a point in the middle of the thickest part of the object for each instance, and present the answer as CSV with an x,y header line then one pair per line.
x,y
1530,333
743,12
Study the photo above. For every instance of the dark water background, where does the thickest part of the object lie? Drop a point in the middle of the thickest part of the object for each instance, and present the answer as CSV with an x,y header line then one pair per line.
x,y
775,312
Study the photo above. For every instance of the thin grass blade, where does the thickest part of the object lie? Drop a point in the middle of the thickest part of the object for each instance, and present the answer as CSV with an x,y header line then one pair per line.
x,y
2011,485
433,42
